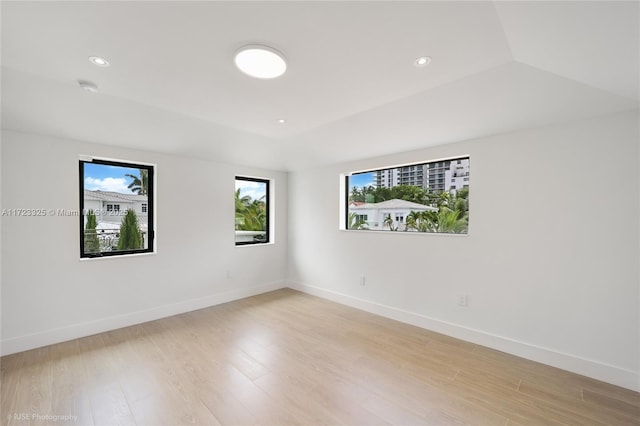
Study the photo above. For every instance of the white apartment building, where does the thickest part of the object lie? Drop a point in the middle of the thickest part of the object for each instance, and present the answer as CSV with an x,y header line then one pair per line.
x,y
405,175
387,178
447,175
456,176
443,175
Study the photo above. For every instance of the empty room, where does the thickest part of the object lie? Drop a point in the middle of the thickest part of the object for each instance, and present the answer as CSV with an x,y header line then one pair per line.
x,y
320,213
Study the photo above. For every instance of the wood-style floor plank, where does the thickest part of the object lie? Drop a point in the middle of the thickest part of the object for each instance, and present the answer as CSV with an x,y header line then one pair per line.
x,y
10,371
289,358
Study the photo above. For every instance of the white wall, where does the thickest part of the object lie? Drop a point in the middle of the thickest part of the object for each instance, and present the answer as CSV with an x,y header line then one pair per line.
x,y
50,295
550,264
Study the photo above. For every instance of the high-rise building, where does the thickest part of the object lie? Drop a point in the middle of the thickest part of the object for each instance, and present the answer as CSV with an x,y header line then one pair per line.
x,y
411,175
457,177
387,178
406,175
437,176
447,175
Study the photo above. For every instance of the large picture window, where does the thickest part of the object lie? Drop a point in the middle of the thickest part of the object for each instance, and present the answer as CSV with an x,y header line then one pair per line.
x,y
252,211
430,197
116,205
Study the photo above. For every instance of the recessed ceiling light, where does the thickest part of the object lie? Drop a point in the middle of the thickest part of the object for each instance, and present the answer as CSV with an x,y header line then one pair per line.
x,y
422,61
88,86
260,61
97,60
282,121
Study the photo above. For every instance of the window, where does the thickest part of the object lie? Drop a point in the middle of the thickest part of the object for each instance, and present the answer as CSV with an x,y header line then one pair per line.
x,y
252,211
423,203
116,201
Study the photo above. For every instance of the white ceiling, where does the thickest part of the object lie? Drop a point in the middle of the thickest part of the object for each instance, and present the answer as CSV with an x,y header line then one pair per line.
x,y
350,92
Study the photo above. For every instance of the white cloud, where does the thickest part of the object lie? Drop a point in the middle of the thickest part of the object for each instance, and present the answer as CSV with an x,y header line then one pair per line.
x,y
255,190
107,184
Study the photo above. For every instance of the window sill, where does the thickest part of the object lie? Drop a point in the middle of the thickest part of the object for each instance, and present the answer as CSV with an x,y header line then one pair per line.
x,y
83,259
374,231
256,245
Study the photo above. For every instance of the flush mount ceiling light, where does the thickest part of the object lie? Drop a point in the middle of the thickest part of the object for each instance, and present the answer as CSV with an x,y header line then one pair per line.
x,y
99,61
260,61
422,61
88,86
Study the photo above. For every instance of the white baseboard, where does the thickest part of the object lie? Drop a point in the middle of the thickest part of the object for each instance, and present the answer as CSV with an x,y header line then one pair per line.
x,y
63,334
604,372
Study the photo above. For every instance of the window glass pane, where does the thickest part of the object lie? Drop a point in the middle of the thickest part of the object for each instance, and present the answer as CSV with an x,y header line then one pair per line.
x,y
430,197
251,211
116,201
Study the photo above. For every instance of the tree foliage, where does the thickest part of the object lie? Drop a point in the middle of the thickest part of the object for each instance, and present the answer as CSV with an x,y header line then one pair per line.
x,y
388,222
139,184
444,220
91,242
130,234
364,194
355,222
251,215
453,207
370,194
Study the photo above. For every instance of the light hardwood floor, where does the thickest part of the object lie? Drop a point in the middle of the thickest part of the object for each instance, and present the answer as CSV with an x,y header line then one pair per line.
x,y
289,358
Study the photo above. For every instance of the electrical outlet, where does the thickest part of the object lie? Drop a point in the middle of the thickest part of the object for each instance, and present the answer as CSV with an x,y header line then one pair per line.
x,y
463,300
362,280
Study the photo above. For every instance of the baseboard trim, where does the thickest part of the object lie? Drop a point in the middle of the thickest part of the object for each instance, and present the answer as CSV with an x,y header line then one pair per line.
x,y
75,331
604,372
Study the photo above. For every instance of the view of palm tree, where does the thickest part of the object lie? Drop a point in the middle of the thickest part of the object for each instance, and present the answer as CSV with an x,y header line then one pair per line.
x,y
356,222
251,214
139,184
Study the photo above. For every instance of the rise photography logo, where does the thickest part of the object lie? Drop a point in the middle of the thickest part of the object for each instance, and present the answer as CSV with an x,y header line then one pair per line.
x,y
50,418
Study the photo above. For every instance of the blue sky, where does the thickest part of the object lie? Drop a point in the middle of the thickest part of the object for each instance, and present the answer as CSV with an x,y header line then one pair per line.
x,y
108,178
362,179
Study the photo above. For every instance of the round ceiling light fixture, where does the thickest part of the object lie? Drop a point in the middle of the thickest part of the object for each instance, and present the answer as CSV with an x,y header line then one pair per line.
x,y
99,61
260,61
422,61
